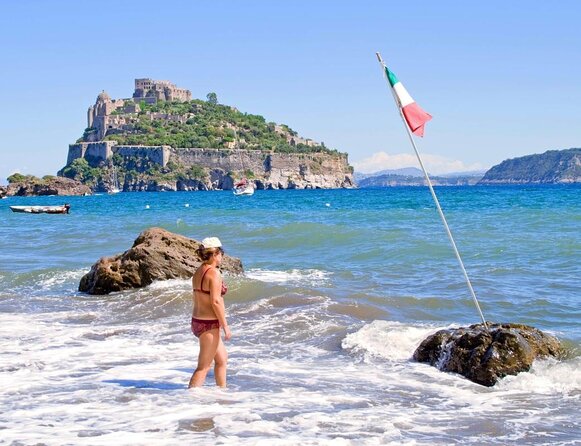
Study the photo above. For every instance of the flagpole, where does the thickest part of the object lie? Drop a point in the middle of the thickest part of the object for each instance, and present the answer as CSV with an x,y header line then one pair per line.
x,y
382,63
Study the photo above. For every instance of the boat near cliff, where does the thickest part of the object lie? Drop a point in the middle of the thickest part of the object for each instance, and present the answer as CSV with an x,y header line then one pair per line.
x,y
243,187
64,209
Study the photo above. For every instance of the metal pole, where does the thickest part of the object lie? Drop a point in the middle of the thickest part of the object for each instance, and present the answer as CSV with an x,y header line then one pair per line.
x,y
382,63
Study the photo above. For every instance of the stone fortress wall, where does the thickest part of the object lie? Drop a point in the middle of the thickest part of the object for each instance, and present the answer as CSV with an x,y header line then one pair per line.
x,y
95,152
276,170
229,160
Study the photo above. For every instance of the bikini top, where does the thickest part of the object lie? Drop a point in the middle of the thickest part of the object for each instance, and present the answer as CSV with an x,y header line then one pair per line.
x,y
200,290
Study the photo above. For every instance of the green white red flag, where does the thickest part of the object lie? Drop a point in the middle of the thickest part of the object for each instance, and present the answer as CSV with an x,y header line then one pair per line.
x,y
415,117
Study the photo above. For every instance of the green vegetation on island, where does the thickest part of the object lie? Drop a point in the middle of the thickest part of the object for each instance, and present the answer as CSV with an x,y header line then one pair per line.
x,y
133,169
21,178
551,167
207,124
30,185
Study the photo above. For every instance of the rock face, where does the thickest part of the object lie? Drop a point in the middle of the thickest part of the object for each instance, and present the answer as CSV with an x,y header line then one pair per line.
x,y
272,170
156,254
52,186
487,356
551,167
149,169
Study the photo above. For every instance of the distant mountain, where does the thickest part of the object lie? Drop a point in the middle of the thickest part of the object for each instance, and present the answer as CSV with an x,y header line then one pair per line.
x,y
405,171
402,180
551,167
468,173
411,176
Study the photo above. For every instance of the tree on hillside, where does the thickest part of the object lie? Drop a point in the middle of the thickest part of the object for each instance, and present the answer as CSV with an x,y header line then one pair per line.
x,y
212,98
16,178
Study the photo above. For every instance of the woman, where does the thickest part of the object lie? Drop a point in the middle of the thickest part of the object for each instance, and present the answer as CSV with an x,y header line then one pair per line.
x,y
209,314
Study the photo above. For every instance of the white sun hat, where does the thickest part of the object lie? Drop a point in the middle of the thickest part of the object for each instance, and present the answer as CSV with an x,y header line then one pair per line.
x,y
212,242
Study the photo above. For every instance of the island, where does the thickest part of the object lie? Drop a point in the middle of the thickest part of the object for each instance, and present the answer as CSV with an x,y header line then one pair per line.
x,y
551,167
161,139
30,186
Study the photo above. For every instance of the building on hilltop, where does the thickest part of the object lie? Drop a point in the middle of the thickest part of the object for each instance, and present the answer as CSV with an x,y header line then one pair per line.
x,y
101,117
114,115
151,91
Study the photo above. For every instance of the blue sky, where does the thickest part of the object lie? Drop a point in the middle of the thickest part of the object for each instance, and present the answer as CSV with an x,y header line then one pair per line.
x,y
502,79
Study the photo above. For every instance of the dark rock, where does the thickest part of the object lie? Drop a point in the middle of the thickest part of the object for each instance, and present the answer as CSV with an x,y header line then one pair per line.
x,y
156,254
49,186
486,356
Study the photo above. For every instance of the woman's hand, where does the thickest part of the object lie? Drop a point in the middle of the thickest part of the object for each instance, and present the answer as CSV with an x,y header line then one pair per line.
x,y
227,333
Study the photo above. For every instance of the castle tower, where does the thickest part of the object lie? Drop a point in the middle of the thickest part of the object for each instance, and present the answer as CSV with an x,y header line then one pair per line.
x,y
96,115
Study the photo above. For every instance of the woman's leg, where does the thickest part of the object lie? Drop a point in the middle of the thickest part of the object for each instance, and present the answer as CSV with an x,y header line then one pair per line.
x,y
209,342
220,361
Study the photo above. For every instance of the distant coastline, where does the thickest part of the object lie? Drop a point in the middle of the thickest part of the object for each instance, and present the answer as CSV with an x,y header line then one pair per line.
x,y
411,176
550,167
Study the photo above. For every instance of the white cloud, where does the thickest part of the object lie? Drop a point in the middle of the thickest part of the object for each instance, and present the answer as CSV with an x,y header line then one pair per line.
x,y
435,164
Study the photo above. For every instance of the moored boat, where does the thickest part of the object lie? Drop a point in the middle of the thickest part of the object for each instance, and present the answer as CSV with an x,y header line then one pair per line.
x,y
243,187
64,209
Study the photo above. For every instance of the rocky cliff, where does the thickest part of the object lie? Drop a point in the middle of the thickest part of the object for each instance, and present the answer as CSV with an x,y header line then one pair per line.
x,y
551,167
211,169
32,186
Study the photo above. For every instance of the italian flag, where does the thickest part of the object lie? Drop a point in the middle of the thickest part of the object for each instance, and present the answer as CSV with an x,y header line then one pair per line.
x,y
415,117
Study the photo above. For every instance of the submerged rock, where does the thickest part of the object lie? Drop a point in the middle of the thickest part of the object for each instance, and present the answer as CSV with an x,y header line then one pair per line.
x,y
486,356
156,254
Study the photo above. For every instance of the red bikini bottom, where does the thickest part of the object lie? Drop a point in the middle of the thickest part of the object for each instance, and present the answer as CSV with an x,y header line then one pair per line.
x,y
200,326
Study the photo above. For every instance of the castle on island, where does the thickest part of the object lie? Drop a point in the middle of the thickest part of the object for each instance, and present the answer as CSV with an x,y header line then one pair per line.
x,y
109,117
113,116
108,114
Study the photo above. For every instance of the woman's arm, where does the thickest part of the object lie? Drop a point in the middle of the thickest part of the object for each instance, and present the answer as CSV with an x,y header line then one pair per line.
x,y
218,301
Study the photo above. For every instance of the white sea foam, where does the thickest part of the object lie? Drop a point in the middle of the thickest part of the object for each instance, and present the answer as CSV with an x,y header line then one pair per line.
x,y
171,284
547,376
51,280
385,339
98,383
294,276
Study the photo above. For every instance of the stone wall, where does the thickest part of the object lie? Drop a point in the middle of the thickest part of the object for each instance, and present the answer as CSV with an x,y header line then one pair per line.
x,y
269,170
157,154
91,151
274,170
94,152
225,159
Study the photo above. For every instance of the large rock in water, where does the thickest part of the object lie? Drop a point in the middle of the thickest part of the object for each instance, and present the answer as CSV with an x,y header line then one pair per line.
x,y
47,186
486,356
156,254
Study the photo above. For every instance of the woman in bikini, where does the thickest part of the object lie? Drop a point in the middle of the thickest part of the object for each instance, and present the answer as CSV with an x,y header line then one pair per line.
x,y
209,314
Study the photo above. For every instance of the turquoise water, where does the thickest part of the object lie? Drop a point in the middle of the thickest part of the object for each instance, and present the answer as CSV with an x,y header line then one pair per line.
x,y
340,287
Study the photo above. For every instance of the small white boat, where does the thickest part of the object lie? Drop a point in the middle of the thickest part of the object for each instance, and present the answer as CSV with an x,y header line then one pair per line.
x,y
64,209
243,187
116,186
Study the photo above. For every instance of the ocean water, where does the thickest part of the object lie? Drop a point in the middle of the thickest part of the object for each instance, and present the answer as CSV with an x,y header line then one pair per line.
x,y
340,288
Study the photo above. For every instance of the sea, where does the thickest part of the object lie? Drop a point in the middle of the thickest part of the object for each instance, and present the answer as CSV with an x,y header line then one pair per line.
x,y
340,287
